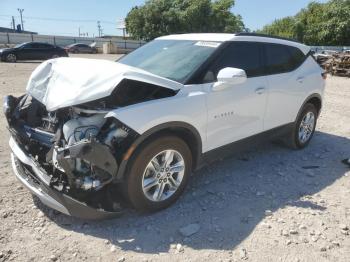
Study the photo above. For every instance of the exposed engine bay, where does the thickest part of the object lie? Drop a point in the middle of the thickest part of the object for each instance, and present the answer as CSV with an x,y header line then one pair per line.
x,y
78,146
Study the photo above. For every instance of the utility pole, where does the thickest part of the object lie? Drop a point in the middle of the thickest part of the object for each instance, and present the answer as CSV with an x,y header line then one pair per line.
x,y
20,12
121,26
13,24
79,31
99,28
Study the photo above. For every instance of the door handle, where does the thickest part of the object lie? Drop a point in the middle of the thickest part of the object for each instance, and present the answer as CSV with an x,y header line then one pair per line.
x,y
300,79
260,90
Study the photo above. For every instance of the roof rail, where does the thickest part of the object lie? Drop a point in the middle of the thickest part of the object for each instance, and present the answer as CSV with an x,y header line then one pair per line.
x,y
268,36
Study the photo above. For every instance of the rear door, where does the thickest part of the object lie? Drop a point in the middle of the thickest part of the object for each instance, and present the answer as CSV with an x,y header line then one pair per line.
x,y
83,48
237,112
46,51
286,88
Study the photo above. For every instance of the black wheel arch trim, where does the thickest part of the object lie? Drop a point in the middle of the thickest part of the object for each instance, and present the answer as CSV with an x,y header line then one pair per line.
x,y
315,95
163,129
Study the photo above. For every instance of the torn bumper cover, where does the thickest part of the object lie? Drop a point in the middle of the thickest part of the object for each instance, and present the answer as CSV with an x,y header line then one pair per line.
x,y
38,181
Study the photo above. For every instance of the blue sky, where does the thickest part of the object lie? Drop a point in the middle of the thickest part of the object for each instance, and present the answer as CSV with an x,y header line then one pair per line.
x,y
50,17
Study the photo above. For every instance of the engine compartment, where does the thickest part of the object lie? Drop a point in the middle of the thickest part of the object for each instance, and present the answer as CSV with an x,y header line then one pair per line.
x,y
78,147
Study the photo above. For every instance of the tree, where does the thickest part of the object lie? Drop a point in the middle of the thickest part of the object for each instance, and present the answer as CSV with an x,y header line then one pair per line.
x,y
318,24
161,17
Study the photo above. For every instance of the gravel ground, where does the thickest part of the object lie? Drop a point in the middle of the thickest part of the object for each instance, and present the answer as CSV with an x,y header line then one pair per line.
x,y
268,204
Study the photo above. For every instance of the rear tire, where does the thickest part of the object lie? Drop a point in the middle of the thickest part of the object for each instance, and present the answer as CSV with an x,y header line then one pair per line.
x,y
151,184
304,128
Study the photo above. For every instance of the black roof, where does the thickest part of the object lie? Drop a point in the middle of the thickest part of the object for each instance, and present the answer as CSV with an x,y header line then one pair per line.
x,y
268,36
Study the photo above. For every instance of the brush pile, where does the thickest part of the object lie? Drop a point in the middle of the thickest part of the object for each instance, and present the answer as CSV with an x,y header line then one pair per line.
x,y
335,63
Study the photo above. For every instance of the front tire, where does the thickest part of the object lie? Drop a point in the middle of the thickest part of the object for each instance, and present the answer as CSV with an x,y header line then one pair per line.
x,y
159,174
304,127
11,58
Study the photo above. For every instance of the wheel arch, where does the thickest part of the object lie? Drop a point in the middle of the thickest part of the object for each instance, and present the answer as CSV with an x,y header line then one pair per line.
x,y
188,133
315,99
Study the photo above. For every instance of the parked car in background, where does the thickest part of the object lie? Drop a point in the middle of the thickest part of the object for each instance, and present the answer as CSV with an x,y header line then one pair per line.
x,y
81,49
32,51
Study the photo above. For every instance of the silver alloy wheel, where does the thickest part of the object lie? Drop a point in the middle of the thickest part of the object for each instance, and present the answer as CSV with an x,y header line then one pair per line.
x,y
55,56
11,58
163,175
307,126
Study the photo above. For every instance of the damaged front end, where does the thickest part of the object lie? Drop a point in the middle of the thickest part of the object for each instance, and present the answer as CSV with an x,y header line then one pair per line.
x,y
69,157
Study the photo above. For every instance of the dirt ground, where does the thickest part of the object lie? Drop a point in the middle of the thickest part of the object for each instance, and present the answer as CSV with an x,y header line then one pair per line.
x,y
268,204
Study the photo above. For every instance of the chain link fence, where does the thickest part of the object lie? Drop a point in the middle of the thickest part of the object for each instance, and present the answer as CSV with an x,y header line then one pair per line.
x,y
319,49
129,45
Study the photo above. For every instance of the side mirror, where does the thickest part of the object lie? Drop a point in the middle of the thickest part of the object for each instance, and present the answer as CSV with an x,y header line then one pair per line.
x,y
229,76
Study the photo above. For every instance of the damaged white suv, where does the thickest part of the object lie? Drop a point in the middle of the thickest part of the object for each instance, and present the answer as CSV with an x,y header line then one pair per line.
x,y
89,134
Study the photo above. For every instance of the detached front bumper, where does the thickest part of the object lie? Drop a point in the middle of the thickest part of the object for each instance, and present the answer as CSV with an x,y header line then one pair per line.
x,y
33,177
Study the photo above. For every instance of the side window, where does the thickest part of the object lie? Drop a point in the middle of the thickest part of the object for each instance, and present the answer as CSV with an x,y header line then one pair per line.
x,y
46,46
242,55
282,59
35,45
28,46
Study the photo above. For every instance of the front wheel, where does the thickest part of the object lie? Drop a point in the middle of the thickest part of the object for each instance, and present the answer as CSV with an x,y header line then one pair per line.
x,y
12,58
159,174
304,127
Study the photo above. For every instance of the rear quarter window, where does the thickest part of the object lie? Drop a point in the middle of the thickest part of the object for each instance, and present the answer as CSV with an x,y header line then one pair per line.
x,y
282,59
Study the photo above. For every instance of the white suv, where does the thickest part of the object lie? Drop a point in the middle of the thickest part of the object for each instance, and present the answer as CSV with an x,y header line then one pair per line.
x,y
88,130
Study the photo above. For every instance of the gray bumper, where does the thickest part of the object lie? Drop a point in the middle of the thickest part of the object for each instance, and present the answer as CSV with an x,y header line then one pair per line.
x,y
37,181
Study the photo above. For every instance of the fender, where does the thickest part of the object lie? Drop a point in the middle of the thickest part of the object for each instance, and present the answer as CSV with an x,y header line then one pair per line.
x,y
159,130
315,95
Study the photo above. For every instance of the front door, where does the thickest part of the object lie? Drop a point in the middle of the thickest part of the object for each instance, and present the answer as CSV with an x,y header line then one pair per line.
x,y
31,51
238,111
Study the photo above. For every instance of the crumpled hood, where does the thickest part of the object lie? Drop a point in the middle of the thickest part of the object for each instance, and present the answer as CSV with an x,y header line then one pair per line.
x,y
64,82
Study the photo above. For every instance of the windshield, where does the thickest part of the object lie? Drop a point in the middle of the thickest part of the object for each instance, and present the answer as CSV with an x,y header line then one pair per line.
x,y
172,59
20,45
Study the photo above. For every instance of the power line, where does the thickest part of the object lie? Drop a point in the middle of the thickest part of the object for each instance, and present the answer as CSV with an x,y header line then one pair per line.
x,y
64,19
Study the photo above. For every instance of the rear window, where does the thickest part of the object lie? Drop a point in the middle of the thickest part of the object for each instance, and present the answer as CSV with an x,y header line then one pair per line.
x,y
281,59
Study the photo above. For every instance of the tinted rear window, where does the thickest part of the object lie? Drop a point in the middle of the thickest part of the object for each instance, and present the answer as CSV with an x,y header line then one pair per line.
x,y
282,59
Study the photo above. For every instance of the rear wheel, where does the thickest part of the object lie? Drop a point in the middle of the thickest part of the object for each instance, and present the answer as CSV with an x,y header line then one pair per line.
x,y
12,58
55,56
304,127
158,174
